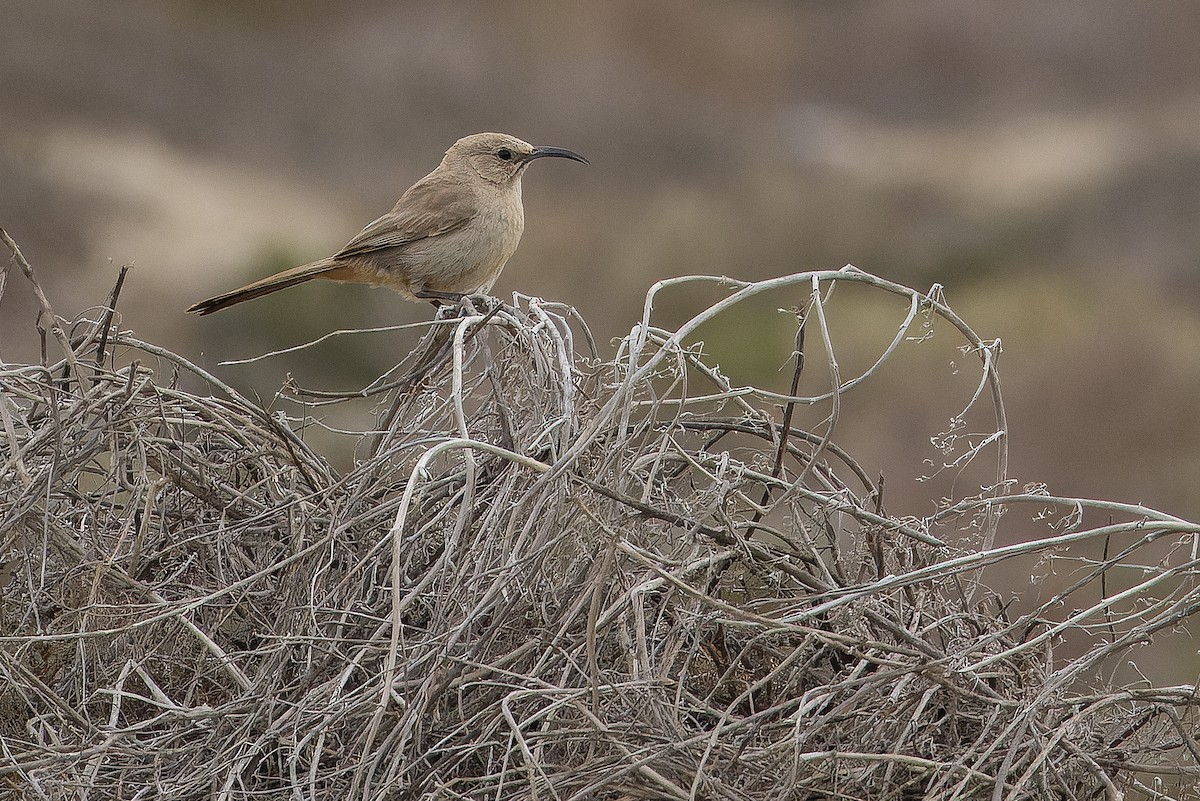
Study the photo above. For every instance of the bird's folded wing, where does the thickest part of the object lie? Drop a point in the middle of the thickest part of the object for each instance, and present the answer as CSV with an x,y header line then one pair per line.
x,y
427,209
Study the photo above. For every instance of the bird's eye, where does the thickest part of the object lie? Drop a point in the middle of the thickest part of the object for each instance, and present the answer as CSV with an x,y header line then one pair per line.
x,y
504,154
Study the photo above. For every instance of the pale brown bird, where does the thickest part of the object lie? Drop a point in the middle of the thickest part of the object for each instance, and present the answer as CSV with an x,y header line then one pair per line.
x,y
448,236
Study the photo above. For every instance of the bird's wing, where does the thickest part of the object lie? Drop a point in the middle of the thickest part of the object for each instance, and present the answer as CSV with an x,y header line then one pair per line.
x,y
429,208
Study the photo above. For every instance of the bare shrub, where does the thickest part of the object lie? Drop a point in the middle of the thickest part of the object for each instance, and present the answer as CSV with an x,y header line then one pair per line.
x,y
552,574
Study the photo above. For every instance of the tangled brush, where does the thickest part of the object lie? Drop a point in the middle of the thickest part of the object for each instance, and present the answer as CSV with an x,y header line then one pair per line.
x,y
551,575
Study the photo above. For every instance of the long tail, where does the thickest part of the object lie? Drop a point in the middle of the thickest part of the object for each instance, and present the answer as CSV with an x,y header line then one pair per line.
x,y
325,268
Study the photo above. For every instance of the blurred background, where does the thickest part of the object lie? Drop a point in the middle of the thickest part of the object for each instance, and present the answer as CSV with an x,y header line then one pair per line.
x,y
1041,160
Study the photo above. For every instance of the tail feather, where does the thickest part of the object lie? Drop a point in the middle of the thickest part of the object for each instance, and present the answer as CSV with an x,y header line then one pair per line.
x,y
325,268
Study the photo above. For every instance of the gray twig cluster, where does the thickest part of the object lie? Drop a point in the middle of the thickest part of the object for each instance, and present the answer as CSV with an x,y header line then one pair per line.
x,y
551,575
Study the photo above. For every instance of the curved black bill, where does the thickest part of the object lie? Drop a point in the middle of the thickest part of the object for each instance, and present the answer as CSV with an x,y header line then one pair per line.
x,y
559,152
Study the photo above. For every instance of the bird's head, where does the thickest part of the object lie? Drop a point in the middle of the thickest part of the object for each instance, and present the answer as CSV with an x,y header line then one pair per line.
x,y
500,158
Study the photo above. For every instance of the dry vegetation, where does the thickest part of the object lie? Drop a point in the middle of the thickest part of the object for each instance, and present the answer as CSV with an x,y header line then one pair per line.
x,y
551,575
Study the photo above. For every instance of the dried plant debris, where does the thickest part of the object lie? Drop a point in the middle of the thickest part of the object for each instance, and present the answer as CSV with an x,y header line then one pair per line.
x,y
553,576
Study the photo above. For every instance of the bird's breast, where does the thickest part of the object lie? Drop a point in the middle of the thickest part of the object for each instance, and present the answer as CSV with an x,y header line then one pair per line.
x,y
470,258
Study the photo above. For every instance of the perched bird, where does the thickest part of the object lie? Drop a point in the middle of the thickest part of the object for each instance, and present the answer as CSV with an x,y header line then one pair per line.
x,y
448,236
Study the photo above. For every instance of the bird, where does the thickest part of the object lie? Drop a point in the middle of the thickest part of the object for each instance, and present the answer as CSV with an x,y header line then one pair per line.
x,y
448,236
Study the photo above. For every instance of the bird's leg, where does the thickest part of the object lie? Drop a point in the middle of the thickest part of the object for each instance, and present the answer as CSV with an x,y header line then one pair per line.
x,y
431,295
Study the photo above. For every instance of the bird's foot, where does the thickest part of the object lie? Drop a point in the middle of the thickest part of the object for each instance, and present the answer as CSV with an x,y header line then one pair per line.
x,y
465,305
